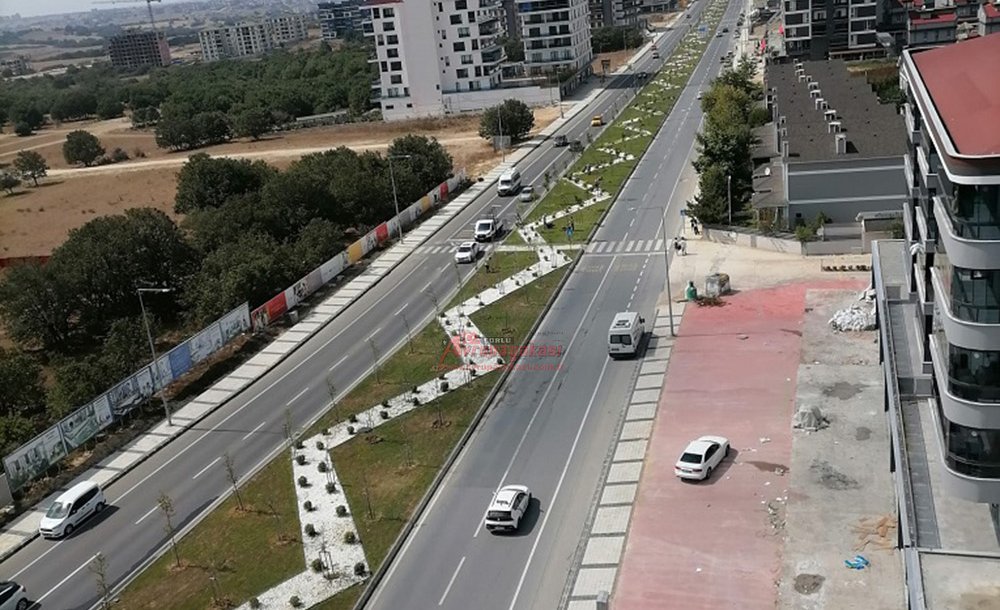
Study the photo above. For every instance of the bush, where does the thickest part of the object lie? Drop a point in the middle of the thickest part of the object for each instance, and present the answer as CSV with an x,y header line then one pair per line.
x,y
341,510
331,487
303,481
804,233
350,429
323,467
310,530
416,389
295,602
320,445
300,460
300,444
353,418
444,386
416,401
385,403
350,538
360,569
308,506
118,155
23,129
317,565
384,414
326,432
254,603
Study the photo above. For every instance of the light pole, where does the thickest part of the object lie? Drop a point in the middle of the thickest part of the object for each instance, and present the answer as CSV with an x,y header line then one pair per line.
x,y
666,263
152,346
395,198
729,197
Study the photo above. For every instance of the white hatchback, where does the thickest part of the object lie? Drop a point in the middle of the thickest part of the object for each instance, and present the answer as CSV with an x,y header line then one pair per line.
x,y
13,596
701,457
467,252
507,508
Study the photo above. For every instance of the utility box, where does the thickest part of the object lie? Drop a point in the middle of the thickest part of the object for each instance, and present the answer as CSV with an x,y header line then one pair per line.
x,y
717,285
602,600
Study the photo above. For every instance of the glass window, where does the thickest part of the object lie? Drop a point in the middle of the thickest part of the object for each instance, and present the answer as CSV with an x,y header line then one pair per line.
x,y
972,451
455,19
973,374
975,211
58,510
974,295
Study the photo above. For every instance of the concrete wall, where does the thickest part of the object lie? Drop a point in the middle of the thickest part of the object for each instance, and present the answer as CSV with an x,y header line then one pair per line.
x,y
786,245
467,101
842,188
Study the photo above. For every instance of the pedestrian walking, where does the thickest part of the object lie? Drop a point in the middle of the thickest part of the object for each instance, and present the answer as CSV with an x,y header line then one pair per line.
x,y
684,246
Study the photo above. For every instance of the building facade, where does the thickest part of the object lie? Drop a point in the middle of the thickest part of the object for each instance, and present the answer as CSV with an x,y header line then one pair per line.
x,y
605,13
952,261
139,49
818,29
15,66
249,39
556,36
339,18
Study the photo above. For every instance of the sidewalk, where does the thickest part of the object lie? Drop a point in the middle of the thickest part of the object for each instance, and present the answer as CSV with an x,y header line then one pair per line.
x,y
25,528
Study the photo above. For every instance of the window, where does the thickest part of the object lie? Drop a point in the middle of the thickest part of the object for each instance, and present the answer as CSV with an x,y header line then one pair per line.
x,y
458,46
972,451
388,26
466,60
388,12
462,73
390,53
396,79
974,374
384,66
463,32
375,13
396,66
975,295
455,19
461,5
392,39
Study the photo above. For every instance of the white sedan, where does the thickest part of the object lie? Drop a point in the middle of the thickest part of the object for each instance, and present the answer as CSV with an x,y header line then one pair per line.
x,y
467,252
13,596
701,457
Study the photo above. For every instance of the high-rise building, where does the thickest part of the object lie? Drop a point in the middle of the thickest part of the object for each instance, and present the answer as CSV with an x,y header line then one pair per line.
x,y
605,13
138,49
818,29
940,316
556,36
339,18
248,39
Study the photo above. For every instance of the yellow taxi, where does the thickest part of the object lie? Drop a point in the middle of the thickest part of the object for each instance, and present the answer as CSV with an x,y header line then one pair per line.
x,y
597,121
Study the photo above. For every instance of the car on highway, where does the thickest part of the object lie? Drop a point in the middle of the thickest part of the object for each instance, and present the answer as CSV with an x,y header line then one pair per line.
x,y
597,121
701,457
72,508
718,34
698,96
656,53
13,596
507,508
725,30
467,252
561,140
527,194
576,146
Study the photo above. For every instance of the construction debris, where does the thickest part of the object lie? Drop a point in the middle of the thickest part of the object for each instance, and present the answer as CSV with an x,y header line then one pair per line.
x,y
810,418
854,318
879,532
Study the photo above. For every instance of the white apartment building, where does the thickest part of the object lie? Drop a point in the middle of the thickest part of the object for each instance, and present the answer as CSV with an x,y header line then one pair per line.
x,y
556,35
248,39
439,56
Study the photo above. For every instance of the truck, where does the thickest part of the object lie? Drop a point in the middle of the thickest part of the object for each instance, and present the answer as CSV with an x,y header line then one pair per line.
x,y
489,227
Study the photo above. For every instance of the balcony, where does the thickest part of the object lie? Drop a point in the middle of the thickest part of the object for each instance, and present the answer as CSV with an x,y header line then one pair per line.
x,y
927,235
962,411
912,184
912,123
964,252
970,335
927,169
926,300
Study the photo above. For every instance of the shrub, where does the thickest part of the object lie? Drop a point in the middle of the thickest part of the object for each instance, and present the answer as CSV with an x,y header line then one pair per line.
x,y
350,538
341,510
303,481
295,602
323,467
350,429
359,569
444,386
384,414
326,432
254,603
416,401
300,460
308,506
310,529
416,389
317,565
320,445
300,444
118,155
331,487
353,418
385,403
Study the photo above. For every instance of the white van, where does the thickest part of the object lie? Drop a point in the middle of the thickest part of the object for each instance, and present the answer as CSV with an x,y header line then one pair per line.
x,y
71,509
625,334
510,182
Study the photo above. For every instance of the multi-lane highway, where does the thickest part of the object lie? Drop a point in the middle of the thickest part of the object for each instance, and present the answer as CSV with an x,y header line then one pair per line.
x,y
249,427
552,431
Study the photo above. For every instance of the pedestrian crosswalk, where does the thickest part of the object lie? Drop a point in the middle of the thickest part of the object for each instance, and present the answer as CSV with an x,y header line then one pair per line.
x,y
436,248
630,246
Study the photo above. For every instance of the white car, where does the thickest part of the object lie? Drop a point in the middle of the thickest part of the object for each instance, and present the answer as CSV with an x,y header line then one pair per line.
x,y
467,252
699,95
527,194
13,596
508,508
701,457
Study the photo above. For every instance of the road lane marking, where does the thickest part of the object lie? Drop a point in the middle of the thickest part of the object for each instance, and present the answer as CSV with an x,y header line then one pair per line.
x,y
452,581
297,396
552,384
562,478
251,433
400,310
202,471
36,560
38,602
151,511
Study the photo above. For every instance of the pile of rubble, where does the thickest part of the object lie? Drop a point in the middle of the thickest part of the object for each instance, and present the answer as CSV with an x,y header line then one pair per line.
x,y
857,317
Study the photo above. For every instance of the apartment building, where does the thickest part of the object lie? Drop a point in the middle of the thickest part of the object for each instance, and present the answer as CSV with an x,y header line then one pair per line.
x,y
138,49
339,18
927,23
15,66
605,13
942,360
249,39
818,29
556,36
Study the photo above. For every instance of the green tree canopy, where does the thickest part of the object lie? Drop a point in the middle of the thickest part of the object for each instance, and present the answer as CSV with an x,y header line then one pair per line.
x,y
21,391
9,182
36,305
428,161
252,123
206,182
31,165
511,118
82,147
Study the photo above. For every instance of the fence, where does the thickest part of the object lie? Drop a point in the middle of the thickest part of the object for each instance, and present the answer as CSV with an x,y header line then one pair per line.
x,y
48,448
281,303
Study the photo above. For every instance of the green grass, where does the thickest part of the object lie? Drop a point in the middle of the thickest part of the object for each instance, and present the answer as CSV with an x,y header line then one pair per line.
x,y
249,551
502,266
563,195
512,316
583,221
514,239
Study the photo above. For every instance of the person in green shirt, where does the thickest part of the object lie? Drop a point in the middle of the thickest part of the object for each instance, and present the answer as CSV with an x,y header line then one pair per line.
x,y
691,293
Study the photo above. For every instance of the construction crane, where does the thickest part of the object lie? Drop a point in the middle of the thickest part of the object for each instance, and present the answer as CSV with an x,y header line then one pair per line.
x,y
149,6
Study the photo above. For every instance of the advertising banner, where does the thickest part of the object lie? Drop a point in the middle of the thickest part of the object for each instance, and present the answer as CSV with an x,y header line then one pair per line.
x,y
83,424
303,288
332,268
382,232
371,242
355,251
443,195
425,203
34,457
393,225
130,393
235,322
205,343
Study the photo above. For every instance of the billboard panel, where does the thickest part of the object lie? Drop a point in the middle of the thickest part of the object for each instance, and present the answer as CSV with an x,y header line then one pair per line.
x,y
355,251
81,426
178,361
332,268
205,343
130,393
235,322
443,193
303,288
371,242
393,225
34,457
382,232
425,203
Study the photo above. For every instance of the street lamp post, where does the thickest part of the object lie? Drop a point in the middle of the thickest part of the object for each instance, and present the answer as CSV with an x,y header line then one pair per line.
x,y
666,264
152,346
729,197
395,198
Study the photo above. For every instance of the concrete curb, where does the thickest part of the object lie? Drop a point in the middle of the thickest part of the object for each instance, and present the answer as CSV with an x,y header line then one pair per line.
x,y
445,469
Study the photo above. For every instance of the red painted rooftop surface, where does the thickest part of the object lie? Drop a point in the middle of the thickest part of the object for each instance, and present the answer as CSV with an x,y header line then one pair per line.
x,y
991,11
963,84
918,19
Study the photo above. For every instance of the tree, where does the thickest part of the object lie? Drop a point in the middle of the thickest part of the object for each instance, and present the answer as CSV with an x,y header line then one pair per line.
x,y
145,116
35,304
31,165
317,243
73,105
110,108
99,568
82,147
9,182
75,382
429,162
234,479
26,113
166,505
21,392
710,205
23,129
615,38
511,118
252,123
513,47
204,182
3,115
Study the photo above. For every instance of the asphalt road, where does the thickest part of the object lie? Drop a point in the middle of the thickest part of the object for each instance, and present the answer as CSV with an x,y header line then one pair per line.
x,y
249,427
552,431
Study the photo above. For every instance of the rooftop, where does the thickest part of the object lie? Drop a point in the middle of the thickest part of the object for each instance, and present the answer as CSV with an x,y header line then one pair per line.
x,y
990,11
965,90
941,19
873,130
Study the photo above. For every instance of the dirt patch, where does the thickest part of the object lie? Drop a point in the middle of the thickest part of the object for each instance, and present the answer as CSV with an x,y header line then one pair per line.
x,y
842,390
807,584
984,598
862,433
831,478
778,469
617,59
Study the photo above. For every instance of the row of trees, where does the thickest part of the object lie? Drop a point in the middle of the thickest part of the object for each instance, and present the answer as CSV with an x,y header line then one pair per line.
x,y
615,38
725,146
249,231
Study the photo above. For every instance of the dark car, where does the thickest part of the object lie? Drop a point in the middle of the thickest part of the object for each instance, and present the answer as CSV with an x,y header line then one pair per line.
x,y
561,141
576,146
